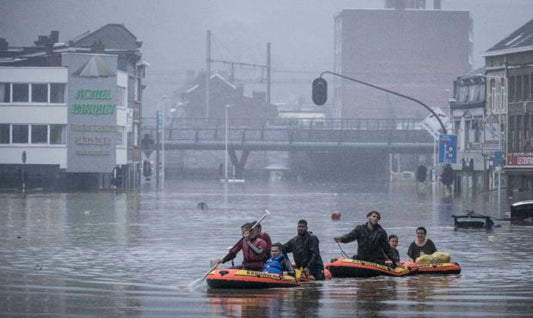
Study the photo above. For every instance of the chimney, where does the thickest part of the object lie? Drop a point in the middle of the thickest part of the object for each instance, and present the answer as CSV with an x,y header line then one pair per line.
x,y
54,37
4,45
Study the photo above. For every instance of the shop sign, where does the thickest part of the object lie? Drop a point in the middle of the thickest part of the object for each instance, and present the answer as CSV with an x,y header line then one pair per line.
x,y
520,159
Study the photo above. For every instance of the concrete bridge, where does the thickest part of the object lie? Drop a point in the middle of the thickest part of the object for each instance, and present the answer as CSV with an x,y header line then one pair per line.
x,y
361,136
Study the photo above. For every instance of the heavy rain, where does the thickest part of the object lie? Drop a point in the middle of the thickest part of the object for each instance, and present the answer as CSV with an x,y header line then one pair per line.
x,y
146,147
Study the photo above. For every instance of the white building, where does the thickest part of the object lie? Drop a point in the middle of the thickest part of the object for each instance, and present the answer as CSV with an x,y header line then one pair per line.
x,y
68,116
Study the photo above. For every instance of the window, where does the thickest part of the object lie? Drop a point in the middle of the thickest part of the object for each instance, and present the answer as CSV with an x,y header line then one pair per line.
x,y
57,93
39,134
5,92
20,134
4,133
120,136
121,97
519,95
39,93
57,135
21,92
519,137
527,88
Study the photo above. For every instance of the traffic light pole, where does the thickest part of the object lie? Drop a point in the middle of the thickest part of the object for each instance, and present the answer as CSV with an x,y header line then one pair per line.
x,y
444,130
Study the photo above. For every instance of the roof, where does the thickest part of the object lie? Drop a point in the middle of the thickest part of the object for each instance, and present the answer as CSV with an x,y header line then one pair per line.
x,y
96,67
214,76
111,36
520,40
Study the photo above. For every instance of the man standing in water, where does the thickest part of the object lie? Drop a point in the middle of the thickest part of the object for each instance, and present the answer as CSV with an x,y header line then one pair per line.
x,y
372,241
306,252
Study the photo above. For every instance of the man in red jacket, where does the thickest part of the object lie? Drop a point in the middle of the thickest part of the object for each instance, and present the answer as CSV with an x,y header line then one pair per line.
x,y
265,237
253,249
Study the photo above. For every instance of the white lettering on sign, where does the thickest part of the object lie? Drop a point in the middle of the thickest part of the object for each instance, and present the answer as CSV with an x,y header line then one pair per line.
x,y
525,160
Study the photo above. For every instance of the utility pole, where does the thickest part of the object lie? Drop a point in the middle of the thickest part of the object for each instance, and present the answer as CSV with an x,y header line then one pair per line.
x,y
268,68
207,76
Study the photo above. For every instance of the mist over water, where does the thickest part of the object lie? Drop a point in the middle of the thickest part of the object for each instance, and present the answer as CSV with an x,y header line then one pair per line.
x,y
130,254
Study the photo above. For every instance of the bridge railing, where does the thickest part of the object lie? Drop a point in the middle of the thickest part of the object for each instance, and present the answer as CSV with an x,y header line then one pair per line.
x,y
331,130
290,123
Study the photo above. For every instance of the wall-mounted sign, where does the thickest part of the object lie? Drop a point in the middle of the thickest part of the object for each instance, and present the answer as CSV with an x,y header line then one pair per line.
x,y
448,149
92,120
519,160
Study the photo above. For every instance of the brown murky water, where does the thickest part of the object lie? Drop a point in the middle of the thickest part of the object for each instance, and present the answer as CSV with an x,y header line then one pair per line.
x,y
132,254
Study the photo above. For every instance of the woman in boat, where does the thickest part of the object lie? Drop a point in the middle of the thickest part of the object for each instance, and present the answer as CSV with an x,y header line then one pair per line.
x,y
278,263
421,244
393,242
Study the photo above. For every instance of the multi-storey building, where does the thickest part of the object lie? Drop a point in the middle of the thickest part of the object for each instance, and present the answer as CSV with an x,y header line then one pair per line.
x,y
71,112
509,73
404,48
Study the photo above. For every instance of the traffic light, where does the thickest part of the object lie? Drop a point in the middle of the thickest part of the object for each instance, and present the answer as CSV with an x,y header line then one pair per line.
x,y
320,91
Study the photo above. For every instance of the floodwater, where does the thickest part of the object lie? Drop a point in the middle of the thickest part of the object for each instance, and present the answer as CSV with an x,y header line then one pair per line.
x,y
132,254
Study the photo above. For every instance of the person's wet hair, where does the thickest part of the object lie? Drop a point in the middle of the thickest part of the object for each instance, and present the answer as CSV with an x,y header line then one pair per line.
x,y
371,212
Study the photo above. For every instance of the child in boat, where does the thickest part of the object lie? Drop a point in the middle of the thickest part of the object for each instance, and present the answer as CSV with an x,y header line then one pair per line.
x,y
278,263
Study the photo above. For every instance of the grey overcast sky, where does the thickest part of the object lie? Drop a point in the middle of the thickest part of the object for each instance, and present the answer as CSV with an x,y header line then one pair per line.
x,y
173,32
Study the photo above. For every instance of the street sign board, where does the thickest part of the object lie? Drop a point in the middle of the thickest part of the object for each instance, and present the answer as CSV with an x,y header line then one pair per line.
x,y
432,124
448,149
159,122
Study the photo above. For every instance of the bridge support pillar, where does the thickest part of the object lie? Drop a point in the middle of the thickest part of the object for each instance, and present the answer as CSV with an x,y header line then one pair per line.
x,y
239,163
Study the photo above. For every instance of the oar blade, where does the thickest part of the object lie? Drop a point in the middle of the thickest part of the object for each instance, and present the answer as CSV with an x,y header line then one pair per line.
x,y
196,283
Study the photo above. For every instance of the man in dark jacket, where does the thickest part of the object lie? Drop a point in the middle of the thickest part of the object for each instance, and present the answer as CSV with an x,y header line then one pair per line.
x,y
306,252
372,241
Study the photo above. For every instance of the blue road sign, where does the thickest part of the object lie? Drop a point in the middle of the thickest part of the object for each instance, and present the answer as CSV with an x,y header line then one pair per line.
x,y
448,149
498,158
159,121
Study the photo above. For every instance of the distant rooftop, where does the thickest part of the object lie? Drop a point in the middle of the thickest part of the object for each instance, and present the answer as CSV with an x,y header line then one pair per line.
x,y
519,41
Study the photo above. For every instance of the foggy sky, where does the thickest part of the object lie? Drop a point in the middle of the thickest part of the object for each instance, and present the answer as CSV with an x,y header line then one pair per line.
x,y
173,32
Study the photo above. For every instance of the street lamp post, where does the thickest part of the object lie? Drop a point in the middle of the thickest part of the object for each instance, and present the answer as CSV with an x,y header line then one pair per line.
x,y
226,146
23,171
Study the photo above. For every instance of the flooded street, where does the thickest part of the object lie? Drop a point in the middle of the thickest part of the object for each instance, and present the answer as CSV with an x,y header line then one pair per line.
x,y
131,254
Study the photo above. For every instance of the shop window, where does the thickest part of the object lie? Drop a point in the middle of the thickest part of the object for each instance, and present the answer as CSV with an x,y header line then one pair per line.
x,y
39,134
39,93
58,135
5,92
57,93
21,92
20,134
4,133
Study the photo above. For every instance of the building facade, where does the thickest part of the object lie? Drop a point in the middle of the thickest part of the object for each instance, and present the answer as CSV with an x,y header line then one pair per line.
x,y
70,113
415,52
467,112
509,72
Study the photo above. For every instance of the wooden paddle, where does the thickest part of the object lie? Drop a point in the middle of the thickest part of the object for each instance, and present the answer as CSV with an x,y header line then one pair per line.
x,y
198,281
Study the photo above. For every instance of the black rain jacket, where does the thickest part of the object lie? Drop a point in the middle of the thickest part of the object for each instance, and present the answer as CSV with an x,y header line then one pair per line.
x,y
371,244
305,251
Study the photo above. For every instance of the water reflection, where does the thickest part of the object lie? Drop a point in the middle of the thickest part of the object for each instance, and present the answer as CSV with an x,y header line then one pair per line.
x,y
248,303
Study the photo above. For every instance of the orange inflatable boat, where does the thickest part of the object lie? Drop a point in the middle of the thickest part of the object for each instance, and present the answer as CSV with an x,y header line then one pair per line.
x,y
347,267
436,268
242,278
